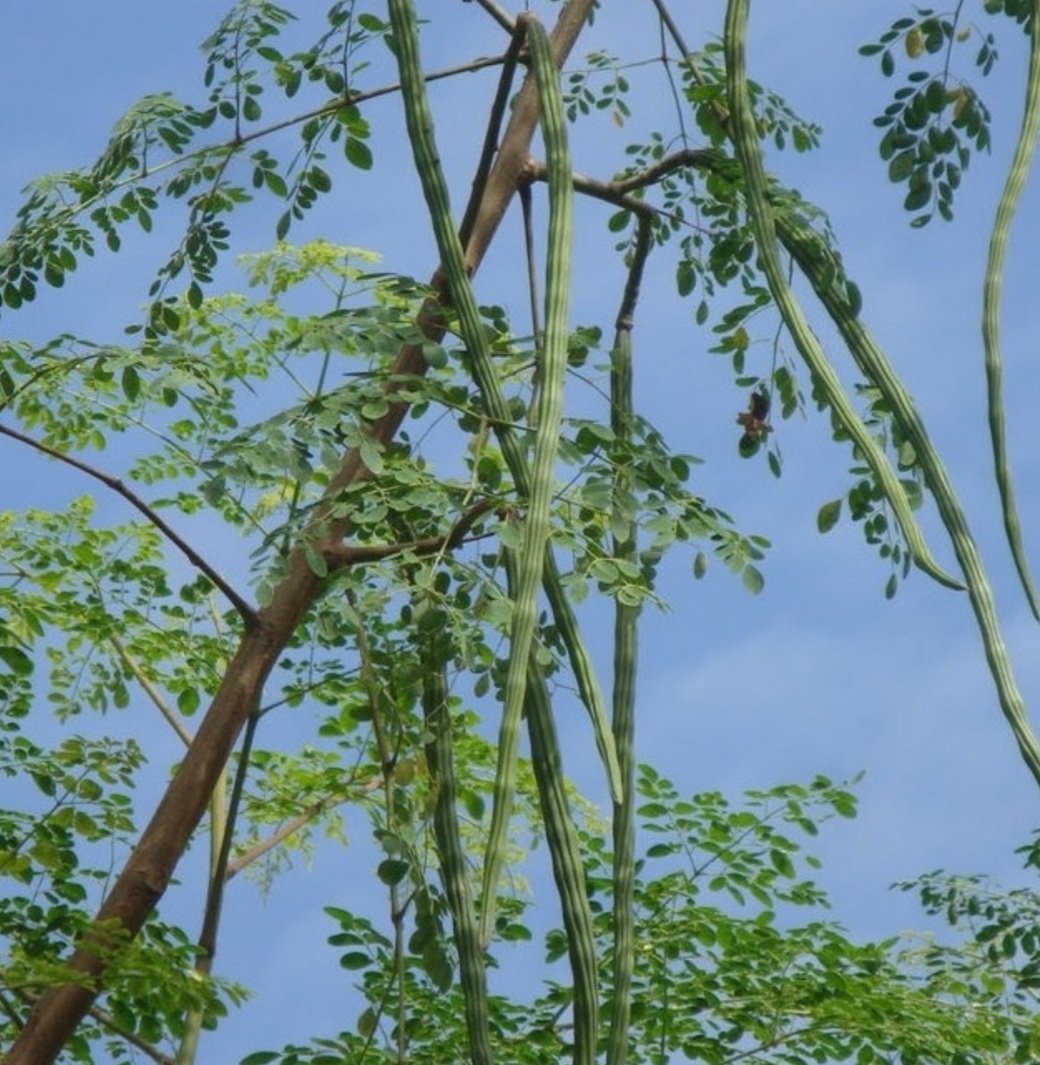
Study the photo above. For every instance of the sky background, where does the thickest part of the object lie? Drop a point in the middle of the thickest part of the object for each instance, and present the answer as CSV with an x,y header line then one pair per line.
x,y
818,674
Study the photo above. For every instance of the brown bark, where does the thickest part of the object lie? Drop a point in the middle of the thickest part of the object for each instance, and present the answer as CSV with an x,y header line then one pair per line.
x,y
143,880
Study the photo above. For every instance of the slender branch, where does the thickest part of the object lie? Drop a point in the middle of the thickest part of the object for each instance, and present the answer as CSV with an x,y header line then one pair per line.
x,y
222,830
233,144
103,1017
215,898
244,609
339,556
718,109
268,843
106,1020
532,293
499,15
666,17
490,145
619,191
153,693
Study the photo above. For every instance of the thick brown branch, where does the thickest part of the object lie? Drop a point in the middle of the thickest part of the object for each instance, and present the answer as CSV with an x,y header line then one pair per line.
x,y
147,873
117,486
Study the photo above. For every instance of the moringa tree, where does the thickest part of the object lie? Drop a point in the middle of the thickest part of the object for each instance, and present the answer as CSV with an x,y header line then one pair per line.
x,y
426,488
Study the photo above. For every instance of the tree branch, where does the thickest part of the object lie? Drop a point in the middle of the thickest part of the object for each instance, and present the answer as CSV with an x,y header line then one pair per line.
x,y
247,613
499,15
619,192
153,693
339,556
106,1020
268,843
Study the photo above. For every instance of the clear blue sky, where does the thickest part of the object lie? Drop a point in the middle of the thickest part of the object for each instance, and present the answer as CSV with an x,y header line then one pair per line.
x,y
818,673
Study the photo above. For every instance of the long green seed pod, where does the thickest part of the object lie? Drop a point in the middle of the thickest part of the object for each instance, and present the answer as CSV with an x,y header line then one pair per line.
x,y
420,130
820,267
564,850
441,763
435,190
748,151
567,869
549,417
626,647
991,293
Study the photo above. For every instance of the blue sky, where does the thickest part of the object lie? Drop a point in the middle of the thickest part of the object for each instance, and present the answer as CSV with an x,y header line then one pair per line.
x,y
818,673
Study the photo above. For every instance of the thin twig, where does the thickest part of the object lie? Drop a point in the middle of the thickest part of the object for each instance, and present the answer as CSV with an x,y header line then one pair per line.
x,y
524,193
235,143
619,191
153,693
673,29
244,609
499,15
283,832
106,1020
340,555
490,145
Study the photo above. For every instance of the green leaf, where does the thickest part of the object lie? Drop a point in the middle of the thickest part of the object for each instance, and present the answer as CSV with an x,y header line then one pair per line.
x,y
366,1023
315,559
275,182
901,166
131,383
700,565
437,965
685,277
188,701
752,579
371,454
261,1057
855,298
17,661
619,221
358,153
918,196
355,959
781,862
392,870
828,516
